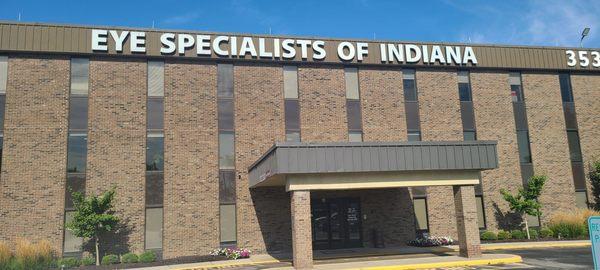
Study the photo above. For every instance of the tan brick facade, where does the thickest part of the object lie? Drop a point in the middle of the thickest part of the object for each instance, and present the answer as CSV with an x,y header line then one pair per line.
x,y
34,157
191,188
116,143
549,148
439,110
586,92
495,121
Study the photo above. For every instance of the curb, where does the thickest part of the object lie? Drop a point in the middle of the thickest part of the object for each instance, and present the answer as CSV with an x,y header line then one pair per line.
x,y
476,262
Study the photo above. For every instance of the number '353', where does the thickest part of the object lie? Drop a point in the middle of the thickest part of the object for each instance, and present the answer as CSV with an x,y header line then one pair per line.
x,y
584,58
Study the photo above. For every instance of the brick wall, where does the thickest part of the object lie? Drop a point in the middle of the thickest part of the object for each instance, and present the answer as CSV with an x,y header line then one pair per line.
x,y
322,104
549,147
35,149
116,144
263,214
586,92
495,121
191,206
382,102
439,109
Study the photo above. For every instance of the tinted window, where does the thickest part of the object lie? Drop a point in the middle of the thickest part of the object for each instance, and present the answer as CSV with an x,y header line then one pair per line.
x,y
354,115
469,135
78,113
154,222
226,151
155,153
80,69
464,91
225,114
226,187
480,212
516,93
414,136
581,199
2,108
154,188
467,115
71,242
292,115
570,116
355,137
410,90
155,117
578,175
227,220
292,136
412,115
75,183
523,143
574,147
225,80
76,153
1,148
420,208
565,87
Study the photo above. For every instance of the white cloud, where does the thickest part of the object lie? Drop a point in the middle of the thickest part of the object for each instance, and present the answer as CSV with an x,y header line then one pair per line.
x,y
182,19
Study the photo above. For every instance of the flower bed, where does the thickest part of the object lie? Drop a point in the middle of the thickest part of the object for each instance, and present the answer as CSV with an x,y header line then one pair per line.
x,y
231,253
431,241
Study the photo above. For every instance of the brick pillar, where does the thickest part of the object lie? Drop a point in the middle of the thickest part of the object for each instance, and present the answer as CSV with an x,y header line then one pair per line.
x,y
301,230
466,221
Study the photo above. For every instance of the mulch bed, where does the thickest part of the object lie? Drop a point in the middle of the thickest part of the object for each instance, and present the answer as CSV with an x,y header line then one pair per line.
x,y
180,260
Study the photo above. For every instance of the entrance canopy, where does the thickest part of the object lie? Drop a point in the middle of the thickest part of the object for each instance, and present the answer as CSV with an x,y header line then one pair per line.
x,y
360,165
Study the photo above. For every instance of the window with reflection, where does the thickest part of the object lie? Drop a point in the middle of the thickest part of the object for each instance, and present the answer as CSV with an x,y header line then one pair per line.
x,y
226,150
80,74
155,156
77,153
409,85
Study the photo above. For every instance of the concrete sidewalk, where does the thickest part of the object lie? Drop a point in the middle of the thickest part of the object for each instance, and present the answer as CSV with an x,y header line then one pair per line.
x,y
385,258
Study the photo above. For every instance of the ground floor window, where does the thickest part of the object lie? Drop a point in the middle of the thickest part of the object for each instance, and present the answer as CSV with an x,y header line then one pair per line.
x,y
71,242
421,219
227,223
480,212
154,220
581,199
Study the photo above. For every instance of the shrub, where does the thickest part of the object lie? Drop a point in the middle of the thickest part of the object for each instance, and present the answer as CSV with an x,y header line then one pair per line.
x,y
533,233
129,258
517,234
431,241
571,224
88,261
489,235
546,233
110,259
5,256
504,235
147,257
33,256
69,262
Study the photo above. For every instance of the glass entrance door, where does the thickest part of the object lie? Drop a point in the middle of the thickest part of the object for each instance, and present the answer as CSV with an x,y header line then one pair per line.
x,y
336,223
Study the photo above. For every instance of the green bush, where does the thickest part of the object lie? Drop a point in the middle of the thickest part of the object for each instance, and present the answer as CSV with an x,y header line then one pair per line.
x,y
69,262
489,235
517,234
88,261
546,233
534,234
568,230
504,235
148,256
110,259
129,258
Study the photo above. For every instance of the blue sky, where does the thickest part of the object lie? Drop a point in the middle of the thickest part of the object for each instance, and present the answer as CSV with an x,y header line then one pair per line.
x,y
535,22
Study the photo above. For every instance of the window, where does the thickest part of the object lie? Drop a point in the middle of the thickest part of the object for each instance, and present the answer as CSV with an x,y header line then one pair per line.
x,y
154,189
409,85
292,136
351,77
469,135
155,117
76,153
420,208
156,79
514,79
566,91
412,115
292,115
355,137
290,82
226,151
523,144
227,223
464,86
2,107
414,136
80,69
467,115
227,187
78,113
75,183
155,156
480,212
354,115
225,81
154,220
581,199
574,147
3,74
225,107
71,243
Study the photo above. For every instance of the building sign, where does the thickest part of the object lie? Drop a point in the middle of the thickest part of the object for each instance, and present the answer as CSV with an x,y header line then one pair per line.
x,y
283,48
594,229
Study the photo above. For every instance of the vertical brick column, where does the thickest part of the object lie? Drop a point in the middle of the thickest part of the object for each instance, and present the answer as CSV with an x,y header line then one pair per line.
x,y
466,221
301,230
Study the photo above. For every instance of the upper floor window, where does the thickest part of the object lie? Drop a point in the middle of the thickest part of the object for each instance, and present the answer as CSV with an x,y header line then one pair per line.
x,y
409,85
516,91
80,75
565,87
464,86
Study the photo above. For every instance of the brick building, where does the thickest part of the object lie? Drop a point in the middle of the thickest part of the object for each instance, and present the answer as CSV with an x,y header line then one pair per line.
x,y
229,140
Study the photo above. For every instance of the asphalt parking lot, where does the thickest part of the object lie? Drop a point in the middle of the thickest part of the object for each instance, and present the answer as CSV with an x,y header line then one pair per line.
x,y
548,258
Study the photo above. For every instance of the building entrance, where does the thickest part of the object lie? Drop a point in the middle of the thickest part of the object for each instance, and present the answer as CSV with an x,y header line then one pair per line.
x,y
336,223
